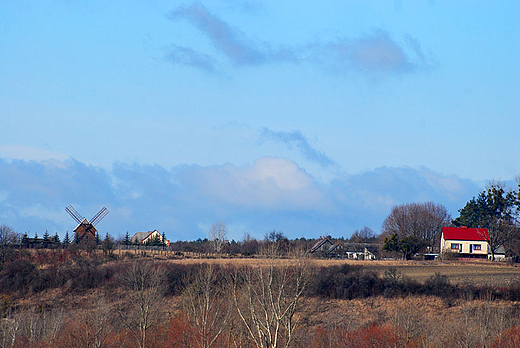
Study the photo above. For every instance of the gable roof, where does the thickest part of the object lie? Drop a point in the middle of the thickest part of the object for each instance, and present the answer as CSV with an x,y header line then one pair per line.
x,y
319,243
139,236
464,233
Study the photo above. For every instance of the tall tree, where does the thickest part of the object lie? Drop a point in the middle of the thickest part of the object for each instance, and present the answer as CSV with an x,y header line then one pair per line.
x,y
364,235
207,303
217,235
408,245
266,298
66,240
127,241
421,220
8,236
496,209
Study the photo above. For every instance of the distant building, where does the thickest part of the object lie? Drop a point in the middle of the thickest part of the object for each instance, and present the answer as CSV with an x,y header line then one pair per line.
x,y
144,238
465,242
85,232
357,251
324,247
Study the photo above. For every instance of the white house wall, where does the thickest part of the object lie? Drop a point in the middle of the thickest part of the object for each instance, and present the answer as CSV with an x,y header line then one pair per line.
x,y
446,246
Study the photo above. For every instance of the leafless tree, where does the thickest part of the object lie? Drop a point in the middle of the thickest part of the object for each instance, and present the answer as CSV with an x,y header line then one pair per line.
x,y
217,236
207,305
9,329
89,329
144,285
364,235
8,236
266,298
422,220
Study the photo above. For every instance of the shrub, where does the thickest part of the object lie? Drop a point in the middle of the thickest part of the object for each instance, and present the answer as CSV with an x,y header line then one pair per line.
x,y
439,285
508,339
345,282
17,276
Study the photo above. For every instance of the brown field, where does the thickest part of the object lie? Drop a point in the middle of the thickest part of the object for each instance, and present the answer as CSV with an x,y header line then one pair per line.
x,y
475,272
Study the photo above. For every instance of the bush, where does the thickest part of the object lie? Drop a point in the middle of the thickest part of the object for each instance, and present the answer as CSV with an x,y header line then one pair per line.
x,y
18,276
439,285
509,338
345,282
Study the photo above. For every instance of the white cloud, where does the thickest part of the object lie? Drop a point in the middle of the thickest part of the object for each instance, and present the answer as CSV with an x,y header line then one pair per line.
x,y
270,183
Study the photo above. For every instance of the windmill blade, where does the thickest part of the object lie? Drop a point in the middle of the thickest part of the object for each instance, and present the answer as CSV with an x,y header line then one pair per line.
x,y
99,216
75,215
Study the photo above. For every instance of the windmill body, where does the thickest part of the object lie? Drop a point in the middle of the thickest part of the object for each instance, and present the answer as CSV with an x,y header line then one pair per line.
x,y
86,230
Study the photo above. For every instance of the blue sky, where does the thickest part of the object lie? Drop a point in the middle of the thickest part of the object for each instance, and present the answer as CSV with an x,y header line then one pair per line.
x,y
311,118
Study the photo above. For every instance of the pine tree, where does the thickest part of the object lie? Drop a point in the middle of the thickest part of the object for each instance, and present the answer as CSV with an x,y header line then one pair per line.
x,y
66,241
25,239
46,235
98,240
127,241
164,238
57,238
35,235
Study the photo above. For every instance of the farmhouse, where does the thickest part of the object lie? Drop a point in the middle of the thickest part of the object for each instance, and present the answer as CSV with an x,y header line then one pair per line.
x,y
149,237
358,251
466,242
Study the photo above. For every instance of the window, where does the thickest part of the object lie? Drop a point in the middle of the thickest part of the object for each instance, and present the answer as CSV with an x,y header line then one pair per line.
x,y
456,246
477,247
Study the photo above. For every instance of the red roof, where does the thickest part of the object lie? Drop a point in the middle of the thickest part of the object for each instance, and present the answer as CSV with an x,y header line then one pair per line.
x,y
464,233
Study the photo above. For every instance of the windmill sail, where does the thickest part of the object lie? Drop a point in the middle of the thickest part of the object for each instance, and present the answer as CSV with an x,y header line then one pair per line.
x,y
99,216
75,215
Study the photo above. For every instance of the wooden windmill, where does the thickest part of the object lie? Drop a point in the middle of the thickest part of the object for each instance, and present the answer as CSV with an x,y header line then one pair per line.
x,y
85,231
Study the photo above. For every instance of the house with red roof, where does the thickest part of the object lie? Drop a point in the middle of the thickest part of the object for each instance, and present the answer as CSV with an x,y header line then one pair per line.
x,y
466,242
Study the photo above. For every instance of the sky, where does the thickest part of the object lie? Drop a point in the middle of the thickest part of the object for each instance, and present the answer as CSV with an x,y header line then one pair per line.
x,y
310,118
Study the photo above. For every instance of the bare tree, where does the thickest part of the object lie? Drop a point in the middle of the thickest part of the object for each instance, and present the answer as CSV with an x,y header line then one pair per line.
x,y
143,309
89,329
217,235
207,305
266,298
8,236
364,235
421,220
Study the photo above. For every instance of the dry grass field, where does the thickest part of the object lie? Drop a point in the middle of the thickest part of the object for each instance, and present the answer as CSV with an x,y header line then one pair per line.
x,y
475,272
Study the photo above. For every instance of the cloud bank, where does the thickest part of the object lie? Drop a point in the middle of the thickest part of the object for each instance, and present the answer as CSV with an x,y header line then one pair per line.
x,y
272,193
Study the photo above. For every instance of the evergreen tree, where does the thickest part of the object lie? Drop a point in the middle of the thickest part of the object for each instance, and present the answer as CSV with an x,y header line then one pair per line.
x,y
35,235
46,236
57,238
127,241
66,241
495,209
98,240
25,239
164,238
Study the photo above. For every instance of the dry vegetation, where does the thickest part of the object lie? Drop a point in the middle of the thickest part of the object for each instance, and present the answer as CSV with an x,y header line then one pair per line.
x,y
74,300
